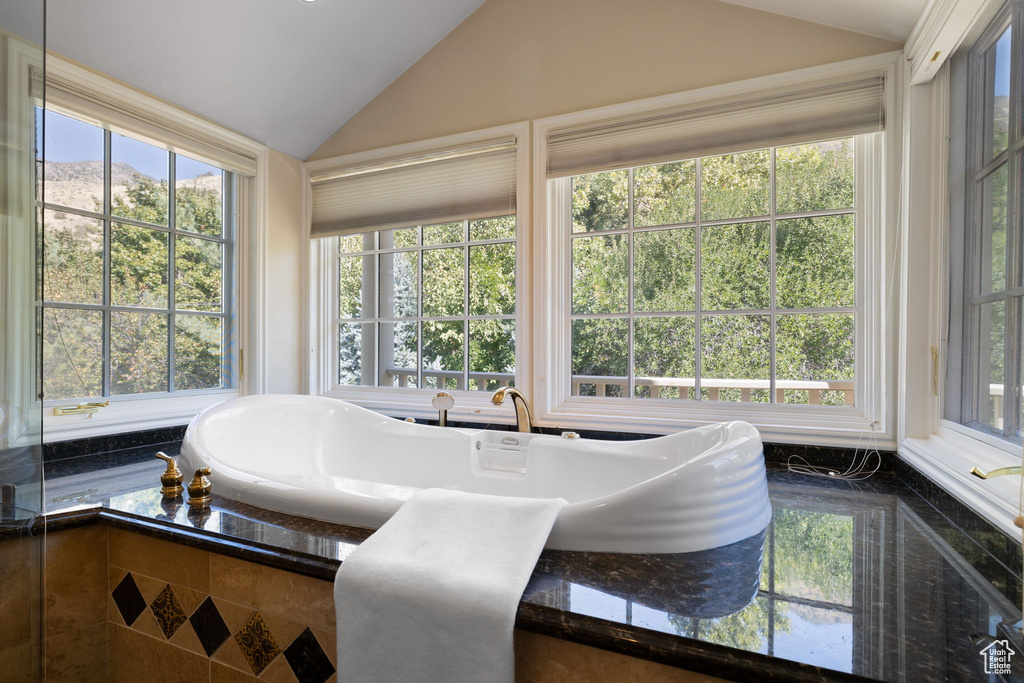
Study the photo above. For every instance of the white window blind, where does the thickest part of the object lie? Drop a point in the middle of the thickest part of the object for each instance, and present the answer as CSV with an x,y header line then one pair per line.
x,y
118,108
832,108
439,187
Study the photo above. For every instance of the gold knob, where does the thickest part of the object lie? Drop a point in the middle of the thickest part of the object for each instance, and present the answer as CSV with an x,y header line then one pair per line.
x,y
171,478
199,488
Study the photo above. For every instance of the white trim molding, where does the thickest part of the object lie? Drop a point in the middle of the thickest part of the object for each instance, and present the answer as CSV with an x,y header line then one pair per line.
x,y
940,29
941,450
876,275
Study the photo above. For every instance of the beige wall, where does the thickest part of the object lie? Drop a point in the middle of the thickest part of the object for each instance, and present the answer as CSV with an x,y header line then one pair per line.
x,y
285,237
515,60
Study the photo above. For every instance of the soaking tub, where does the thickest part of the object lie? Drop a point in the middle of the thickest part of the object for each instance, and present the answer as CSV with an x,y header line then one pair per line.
x,y
330,460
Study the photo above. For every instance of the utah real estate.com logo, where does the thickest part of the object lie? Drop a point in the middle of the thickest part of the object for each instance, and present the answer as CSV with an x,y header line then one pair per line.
x,y
996,657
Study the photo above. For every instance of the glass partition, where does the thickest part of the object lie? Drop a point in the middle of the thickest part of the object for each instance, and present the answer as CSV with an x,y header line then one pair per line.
x,y
21,465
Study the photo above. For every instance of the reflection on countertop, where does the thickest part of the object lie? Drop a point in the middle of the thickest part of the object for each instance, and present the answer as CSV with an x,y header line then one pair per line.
x,y
864,578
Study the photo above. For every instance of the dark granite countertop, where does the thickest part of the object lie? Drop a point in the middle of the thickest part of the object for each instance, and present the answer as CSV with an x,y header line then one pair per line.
x,y
851,581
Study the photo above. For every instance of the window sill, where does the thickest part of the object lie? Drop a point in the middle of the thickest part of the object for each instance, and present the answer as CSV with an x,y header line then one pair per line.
x,y
947,456
837,427
128,416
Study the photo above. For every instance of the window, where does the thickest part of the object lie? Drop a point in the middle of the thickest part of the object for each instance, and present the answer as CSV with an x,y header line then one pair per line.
x,y
723,278
721,254
429,306
137,266
984,373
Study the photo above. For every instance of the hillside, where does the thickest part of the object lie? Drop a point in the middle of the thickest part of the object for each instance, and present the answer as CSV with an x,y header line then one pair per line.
x,y
79,184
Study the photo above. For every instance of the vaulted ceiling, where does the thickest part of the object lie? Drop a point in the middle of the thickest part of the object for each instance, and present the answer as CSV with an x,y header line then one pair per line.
x,y
287,73
891,19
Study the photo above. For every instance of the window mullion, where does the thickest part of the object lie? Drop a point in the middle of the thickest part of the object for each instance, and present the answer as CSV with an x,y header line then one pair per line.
x,y
465,309
630,340
698,174
772,301
107,364
171,242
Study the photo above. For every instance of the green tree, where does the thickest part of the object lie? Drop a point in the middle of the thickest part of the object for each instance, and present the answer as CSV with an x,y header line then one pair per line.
x,y
139,274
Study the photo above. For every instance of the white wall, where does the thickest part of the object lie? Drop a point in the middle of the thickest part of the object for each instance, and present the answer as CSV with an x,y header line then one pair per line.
x,y
285,254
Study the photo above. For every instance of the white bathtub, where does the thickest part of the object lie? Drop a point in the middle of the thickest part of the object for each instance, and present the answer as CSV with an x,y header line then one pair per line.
x,y
331,460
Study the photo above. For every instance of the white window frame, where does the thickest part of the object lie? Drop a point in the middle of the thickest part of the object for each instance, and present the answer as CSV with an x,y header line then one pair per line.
x,y
942,450
875,244
130,415
470,406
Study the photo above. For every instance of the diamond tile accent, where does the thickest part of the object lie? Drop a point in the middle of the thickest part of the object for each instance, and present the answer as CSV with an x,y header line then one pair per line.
x,y
128,599
307,659
168,611
209,626
257,643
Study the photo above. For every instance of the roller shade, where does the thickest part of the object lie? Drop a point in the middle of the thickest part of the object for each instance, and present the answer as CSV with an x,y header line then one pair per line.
x,y
812,111
121,114
440,187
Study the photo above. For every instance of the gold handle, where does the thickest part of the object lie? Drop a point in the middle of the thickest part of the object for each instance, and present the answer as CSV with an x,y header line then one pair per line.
x,y
80,409
996,473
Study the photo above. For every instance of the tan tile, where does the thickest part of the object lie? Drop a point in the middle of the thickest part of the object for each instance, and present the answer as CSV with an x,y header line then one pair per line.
x,y
542,659
18,664
290,595
133,657
146,623
162,560
186,637
75,579
189,599
113,614
148,586
233,614
77,656
225,674
20,604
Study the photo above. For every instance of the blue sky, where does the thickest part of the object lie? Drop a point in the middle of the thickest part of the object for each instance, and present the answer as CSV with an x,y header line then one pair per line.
x,y
1002,84
69,139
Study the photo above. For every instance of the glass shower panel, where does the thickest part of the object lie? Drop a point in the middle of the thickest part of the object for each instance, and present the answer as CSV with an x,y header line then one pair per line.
x,y
21,466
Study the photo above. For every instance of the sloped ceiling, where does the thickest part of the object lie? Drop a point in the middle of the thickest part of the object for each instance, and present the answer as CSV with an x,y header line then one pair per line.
x,y
284,72
890,19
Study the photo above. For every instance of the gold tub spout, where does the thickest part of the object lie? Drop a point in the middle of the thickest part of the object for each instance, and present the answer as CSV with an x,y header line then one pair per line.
x,y
996,473
524,422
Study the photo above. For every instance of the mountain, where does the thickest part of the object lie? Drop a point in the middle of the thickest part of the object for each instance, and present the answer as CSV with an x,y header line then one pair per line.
x,y
88,172
79,185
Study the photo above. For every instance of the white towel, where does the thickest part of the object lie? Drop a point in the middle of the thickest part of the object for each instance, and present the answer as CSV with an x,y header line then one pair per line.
x,y
432,595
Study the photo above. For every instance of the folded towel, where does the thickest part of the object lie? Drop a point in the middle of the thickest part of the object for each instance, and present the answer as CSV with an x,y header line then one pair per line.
x,y
432,595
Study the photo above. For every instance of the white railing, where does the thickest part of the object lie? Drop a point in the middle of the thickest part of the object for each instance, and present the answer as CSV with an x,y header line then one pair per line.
x,y
995,392
489,381
746,387
495,380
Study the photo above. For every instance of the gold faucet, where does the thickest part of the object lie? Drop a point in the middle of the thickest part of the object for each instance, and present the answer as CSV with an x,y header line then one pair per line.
x,y
524,423
199,489
171,478
996,473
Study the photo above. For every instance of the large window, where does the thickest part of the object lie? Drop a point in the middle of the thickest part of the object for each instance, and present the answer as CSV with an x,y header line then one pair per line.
x,y
724,278
137,266
430,306
988,291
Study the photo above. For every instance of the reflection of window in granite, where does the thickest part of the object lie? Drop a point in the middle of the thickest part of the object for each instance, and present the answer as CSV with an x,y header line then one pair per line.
x,y
943,616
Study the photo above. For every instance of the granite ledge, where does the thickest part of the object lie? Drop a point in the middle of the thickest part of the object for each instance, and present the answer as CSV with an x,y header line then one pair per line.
x,y
672,650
